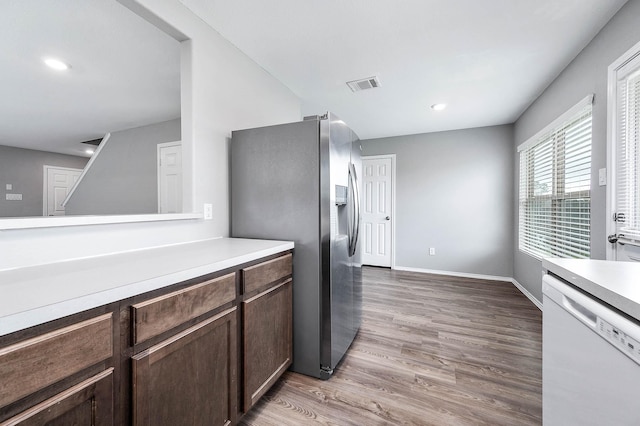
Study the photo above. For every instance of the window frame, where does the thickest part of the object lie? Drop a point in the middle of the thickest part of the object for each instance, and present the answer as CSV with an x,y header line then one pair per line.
x,y
555,134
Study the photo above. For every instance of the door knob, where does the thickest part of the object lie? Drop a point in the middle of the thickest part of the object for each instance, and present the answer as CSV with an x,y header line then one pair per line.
x,y
387,218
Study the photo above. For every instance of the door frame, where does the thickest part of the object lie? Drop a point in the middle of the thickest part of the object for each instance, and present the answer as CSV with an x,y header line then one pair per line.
x,y
45,185
393,198
612,79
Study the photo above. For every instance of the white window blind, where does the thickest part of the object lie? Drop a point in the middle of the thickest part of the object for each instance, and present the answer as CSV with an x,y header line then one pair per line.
x,y
628,153
555,187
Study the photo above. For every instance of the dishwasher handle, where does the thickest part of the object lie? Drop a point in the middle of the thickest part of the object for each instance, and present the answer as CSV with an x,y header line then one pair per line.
x,y
579,311
620,331
581,306
586,309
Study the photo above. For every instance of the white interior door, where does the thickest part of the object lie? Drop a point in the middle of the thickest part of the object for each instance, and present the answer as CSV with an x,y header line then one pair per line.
x,y
58,181
623,150
170,177
377,204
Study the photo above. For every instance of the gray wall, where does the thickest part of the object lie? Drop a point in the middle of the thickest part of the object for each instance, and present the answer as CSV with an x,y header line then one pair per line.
x,y
587,73
22,168
123,178
453,192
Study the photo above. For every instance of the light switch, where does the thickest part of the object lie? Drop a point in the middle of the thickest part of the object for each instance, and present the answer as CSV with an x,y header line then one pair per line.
x,y
602,177
14,197
9,187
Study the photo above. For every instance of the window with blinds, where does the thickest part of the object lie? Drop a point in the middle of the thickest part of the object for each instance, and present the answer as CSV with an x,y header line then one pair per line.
x,y
628,151
555,187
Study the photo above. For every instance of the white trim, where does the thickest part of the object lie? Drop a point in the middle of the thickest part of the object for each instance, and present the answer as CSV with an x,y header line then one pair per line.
x,y
527,293
612,79
393,200
476,276
587,100
95,154
56,221
454,274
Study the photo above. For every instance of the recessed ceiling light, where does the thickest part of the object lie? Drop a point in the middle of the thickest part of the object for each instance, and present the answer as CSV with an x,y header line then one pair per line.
x,y
438,107
89,151
56,64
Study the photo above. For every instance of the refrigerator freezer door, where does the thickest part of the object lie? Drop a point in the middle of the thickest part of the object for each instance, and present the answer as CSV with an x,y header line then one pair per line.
x,y
337,279
342,293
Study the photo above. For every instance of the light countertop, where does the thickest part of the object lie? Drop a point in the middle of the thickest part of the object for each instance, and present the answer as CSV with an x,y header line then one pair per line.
x,y
616,283
37,294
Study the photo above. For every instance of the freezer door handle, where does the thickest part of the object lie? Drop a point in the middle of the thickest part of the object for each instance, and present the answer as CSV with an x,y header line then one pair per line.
x,y
354,223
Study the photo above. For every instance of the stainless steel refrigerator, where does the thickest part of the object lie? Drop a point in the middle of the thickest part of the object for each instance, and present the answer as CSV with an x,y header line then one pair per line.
x,y
299,182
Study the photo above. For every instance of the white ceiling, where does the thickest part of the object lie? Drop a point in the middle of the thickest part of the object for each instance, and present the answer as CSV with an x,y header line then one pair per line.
x,y
487,59
125,73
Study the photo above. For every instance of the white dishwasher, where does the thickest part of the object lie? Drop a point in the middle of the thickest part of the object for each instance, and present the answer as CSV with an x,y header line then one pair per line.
x,y
590,360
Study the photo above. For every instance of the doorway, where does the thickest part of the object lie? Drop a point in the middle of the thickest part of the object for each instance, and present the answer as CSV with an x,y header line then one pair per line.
x,y
58,182
623,144
378,208
170,177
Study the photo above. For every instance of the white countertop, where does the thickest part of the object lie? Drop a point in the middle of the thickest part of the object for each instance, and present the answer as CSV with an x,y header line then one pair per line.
x,y
616,283
37,294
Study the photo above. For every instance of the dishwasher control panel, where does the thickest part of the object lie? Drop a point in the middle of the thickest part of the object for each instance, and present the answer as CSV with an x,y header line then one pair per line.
x,y
625,343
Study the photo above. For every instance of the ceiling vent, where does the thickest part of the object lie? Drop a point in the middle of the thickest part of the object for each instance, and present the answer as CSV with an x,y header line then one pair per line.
x,y
364,84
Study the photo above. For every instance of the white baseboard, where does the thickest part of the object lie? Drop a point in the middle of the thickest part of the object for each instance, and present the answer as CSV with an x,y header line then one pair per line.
x,y
527,293
454,274
477,276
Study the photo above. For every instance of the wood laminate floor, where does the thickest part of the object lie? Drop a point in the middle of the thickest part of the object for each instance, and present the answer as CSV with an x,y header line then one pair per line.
x,y
432,350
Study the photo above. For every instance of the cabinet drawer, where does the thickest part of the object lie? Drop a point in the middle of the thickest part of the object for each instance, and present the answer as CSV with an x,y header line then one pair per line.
x,y
256,277
155,316
87,403
31,365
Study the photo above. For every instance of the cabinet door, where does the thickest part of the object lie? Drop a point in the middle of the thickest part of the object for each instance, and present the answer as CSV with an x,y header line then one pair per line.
x,y
89,403
189,379
267,320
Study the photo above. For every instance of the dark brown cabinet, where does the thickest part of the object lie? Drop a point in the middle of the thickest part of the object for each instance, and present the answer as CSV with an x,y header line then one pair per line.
x,y
200,352
266,326
61,376
190,378
88,403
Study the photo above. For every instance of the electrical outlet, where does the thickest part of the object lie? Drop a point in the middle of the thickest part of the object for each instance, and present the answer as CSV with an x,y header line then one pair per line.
x,y
432,251
208,211
14,197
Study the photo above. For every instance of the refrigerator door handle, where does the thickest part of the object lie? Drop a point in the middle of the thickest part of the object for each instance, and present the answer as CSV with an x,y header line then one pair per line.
x,y
356,200
350,212
354,228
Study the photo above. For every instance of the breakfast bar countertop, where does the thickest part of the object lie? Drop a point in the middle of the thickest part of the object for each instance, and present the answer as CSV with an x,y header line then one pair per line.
x,y
37,294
